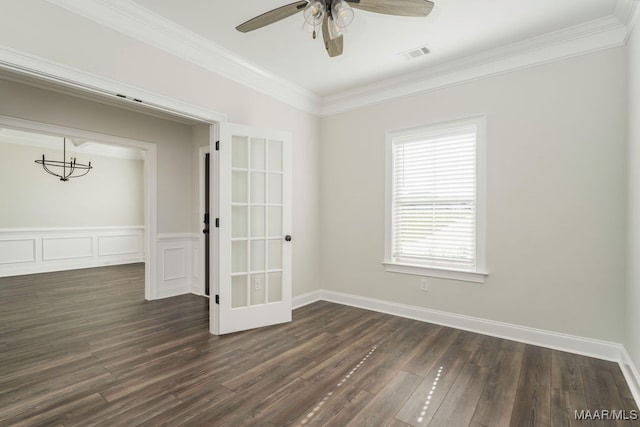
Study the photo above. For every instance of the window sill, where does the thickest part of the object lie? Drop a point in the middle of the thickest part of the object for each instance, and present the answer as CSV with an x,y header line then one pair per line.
x,y
466,276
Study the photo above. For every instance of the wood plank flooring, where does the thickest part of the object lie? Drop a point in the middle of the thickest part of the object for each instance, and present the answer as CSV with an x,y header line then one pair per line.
x,y
83,348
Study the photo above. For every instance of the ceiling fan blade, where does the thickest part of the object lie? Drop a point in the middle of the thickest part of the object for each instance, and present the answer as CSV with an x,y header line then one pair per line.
x,y
394,7
272,16
334,47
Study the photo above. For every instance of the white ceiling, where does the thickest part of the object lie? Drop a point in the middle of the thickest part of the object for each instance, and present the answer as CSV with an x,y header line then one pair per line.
x,y
455,29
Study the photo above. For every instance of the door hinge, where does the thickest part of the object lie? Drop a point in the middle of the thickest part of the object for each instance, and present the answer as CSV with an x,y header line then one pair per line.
x,y
218,299
217,222
217,145
206,218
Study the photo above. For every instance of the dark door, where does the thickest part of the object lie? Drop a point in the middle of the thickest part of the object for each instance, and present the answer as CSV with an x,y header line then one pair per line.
x,y
206,224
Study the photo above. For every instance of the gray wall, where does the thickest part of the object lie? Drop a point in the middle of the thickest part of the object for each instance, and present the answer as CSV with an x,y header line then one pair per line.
x,y
556,207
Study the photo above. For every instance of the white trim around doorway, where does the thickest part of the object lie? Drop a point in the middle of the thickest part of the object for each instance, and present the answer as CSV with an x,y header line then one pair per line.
x,y
149,151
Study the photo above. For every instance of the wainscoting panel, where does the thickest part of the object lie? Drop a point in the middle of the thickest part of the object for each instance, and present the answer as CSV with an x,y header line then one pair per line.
x,y
176,273
174,264
17,251
39,250
56,248
119,244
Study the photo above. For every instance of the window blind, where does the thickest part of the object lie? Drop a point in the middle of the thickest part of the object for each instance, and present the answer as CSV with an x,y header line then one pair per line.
x,y
434,198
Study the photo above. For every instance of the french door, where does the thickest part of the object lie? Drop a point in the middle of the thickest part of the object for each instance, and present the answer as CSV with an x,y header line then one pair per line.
x,y
253,229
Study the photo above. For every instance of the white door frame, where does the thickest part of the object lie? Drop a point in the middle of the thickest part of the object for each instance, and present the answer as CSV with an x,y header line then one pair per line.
x,y
214,235
223,317
149,152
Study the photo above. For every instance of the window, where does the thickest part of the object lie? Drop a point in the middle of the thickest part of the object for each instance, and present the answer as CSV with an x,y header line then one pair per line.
x,y
435,200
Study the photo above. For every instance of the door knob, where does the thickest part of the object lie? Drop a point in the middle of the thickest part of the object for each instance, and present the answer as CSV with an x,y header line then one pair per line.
x,y
205,231
287,238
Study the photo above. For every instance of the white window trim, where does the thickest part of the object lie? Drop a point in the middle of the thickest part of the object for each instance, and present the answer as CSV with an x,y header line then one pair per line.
x,y
480,273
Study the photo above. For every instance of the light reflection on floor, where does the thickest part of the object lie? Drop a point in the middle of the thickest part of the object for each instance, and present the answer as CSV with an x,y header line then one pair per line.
x,y
311,414
428,401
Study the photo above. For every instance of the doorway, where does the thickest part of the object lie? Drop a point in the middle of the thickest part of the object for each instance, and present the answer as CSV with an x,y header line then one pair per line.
x,y
206,216
207,221
149,155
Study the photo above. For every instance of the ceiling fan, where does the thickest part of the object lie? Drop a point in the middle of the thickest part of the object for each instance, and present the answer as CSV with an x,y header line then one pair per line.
x,y
335,15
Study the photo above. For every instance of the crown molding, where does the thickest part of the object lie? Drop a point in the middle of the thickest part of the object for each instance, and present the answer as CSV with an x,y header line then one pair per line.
x,y
573,41
129,18
627,12
135,21
50,71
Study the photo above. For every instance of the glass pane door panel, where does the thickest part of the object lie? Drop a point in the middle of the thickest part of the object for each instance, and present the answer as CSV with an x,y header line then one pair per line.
x,y
274,287
258,154
258,188
275,156
253,278
257,255
275,189
275,221
239,256
239,222
240,152
239,295
275,254
257,291
239,187
257,221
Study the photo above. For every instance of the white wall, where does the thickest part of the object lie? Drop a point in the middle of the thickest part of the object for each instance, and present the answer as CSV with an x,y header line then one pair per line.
x,y
111,194
556,208
632,339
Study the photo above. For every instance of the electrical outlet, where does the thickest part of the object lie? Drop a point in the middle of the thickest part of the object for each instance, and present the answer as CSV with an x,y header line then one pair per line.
x,y
257,284
424,285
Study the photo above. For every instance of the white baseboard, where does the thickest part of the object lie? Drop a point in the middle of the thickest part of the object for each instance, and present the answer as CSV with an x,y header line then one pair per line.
x,y
631,374
171,290
306,299
564,342
605,350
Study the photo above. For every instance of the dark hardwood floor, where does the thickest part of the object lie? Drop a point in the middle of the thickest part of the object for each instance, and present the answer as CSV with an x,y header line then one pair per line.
x,y
83,348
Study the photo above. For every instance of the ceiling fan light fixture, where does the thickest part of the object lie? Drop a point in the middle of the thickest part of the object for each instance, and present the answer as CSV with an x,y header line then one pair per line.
x,y
331,18
314,12
341,13
334,30
309,28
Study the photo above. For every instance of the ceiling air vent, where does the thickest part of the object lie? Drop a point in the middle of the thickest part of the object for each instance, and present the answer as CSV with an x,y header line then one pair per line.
x,y
416,53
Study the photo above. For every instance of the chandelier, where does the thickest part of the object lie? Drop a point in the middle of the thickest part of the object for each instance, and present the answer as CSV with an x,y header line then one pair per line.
x,y
339,12
65,169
